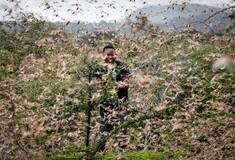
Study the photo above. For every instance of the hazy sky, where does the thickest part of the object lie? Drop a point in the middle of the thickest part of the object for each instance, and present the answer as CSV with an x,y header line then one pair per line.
x,y
87,10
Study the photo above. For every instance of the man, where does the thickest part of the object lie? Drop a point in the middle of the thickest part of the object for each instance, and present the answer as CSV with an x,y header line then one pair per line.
x,y
115,90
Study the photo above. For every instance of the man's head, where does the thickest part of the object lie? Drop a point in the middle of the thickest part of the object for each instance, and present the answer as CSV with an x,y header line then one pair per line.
x,y
109,54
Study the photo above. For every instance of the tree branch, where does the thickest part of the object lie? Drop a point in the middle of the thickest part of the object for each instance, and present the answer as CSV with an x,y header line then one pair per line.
x,y
13,108
207,19
168,86
224,9
94,150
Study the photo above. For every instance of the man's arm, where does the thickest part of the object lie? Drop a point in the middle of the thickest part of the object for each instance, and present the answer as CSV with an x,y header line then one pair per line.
x,y
123,82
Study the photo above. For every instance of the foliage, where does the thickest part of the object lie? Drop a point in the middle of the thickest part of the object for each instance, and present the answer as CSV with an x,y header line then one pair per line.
x,y
45,92
142,155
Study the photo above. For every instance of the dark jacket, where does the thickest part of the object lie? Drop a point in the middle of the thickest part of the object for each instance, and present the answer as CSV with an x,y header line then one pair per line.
x,y
120,71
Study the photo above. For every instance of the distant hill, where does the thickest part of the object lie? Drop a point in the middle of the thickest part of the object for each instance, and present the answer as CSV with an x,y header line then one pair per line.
x,y
173,17
169,17
178,16
162,13
216,24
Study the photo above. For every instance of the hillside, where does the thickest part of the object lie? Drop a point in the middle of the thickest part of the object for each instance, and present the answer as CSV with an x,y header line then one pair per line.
x,y
180,15
173,18
179,108
158,14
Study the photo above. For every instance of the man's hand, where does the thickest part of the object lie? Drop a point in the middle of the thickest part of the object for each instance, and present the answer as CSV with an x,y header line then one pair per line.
x,y
123,84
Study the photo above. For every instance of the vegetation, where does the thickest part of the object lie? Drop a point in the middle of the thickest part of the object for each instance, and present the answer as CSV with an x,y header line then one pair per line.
x,y
179,108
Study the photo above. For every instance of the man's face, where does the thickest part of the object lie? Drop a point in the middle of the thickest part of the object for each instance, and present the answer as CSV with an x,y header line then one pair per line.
x,y
109,55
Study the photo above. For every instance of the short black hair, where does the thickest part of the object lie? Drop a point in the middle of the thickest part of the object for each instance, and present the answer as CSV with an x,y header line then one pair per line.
x,y
107,47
